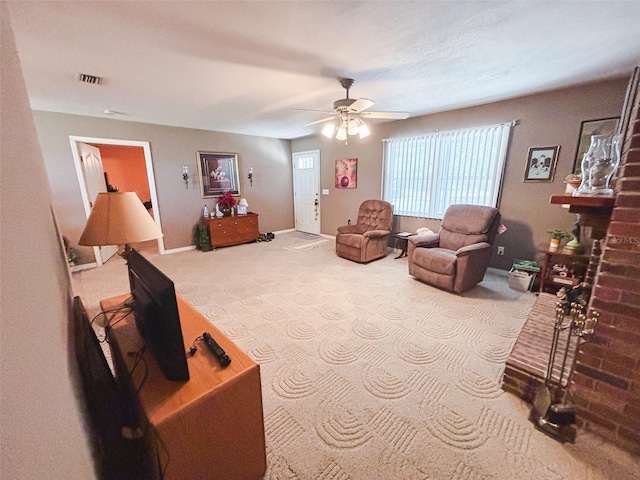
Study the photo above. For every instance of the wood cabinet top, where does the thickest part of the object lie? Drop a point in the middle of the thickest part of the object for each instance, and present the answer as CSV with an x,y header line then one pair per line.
x,y
161,397
231,217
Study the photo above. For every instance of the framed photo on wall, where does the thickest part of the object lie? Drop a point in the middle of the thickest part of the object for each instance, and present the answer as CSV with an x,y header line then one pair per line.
x,y
602,126
541,164
218,173
346,173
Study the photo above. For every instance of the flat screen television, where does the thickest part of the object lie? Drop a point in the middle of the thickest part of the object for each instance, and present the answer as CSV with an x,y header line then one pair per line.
x,y
156,314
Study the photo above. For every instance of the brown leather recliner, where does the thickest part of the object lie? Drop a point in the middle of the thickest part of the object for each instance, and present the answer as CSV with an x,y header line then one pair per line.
x,y
457,257
367,239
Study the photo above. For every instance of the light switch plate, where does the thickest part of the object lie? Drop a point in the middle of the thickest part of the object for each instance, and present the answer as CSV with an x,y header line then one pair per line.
x,y
325,191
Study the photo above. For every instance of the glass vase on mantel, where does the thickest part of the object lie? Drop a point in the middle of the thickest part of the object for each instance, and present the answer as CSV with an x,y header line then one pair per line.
x,y
598,166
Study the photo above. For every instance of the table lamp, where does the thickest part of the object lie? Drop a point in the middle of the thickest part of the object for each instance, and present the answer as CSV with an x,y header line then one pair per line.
x,y
242,206
119,218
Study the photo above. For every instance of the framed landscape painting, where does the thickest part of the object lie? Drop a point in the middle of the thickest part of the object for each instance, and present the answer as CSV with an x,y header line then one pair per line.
x,y
541,164
218,173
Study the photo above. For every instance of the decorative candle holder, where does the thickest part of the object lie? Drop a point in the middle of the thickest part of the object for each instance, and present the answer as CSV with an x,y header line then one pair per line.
x,y
598,166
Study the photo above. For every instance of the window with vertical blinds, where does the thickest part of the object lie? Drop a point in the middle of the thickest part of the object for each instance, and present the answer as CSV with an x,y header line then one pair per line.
x,y
424,175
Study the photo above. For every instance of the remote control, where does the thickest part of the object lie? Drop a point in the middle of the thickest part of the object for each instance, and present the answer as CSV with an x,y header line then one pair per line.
x,y
217,350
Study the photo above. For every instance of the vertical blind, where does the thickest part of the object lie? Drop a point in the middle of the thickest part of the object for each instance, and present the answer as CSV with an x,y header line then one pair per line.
x,y
423,175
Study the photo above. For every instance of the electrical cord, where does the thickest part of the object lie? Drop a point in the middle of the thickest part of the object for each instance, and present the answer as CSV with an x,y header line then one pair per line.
x,y
127,303
110,325
138,360
193,349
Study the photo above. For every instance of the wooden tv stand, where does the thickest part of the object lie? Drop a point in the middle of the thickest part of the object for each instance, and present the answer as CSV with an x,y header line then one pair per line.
x,y
210,427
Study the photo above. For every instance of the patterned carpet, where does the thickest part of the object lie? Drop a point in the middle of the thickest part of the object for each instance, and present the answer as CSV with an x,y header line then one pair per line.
x,y
368,373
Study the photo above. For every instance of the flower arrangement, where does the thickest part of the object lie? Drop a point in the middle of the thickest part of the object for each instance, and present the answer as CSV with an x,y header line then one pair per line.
x,y
226,201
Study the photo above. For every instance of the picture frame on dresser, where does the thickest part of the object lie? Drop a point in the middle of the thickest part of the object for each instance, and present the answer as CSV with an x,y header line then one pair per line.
x,y
218,173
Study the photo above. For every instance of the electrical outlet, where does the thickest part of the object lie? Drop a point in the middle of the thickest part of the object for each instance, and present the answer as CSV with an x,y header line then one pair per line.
x,y
500,250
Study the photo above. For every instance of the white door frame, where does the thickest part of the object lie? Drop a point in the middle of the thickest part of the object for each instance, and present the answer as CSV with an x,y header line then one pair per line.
x,y
146,147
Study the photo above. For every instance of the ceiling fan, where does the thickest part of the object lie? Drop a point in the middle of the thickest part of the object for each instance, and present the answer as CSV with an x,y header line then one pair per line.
x,y
348,113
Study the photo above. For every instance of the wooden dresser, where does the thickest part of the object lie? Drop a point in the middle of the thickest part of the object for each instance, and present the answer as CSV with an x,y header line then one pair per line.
x,y
225,231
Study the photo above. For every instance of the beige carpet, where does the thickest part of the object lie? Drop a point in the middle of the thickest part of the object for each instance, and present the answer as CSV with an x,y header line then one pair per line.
x,y
368,373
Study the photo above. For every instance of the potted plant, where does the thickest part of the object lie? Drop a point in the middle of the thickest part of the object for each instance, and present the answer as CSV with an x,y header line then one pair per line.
x,y
225,203
201,237
556,237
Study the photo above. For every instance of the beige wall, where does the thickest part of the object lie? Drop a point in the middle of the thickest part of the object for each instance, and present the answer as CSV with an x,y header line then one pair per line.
x,y
41,434
551,118
271,195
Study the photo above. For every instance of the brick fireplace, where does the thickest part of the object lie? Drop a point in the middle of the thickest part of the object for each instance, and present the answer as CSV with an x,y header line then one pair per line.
x,y
606,382
605,386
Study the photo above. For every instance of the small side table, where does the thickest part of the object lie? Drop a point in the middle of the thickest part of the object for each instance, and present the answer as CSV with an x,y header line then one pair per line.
x,y
402,242
582,259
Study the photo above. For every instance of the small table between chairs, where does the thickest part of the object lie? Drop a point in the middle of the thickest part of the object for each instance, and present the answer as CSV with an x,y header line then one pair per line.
x,y
402,243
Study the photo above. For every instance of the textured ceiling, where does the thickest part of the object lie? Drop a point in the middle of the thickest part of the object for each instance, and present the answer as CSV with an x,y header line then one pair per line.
x,y
243,67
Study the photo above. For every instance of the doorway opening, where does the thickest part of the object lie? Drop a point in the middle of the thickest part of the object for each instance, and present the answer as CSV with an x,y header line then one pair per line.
x,y
125,165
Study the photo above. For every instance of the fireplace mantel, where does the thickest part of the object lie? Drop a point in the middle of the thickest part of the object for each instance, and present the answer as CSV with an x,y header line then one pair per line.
x,y
595,212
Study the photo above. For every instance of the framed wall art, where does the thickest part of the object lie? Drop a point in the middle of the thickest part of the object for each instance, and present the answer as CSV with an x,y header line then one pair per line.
x,y
541,164
218,173
602,126
346,173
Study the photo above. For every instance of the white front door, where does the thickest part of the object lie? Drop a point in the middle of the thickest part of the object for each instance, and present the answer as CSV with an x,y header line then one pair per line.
x,y
306,190
95,183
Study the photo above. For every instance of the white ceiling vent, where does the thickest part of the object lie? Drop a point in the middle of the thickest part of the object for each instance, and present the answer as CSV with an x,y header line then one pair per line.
x,y
83,77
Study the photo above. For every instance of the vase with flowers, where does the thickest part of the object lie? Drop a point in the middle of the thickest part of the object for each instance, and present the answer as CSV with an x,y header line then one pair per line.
x,y
226,203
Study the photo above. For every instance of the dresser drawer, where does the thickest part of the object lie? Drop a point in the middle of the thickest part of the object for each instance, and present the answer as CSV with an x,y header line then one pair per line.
x,y
233,230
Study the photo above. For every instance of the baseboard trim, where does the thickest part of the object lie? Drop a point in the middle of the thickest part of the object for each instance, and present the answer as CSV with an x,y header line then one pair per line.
x,y
178,250
84,266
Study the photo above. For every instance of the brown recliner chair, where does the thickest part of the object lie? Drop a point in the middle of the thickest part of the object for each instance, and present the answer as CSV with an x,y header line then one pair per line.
x,y
367,239
457,257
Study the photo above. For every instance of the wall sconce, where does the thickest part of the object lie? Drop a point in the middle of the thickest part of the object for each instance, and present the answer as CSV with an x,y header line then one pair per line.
x,y
185,175
250,176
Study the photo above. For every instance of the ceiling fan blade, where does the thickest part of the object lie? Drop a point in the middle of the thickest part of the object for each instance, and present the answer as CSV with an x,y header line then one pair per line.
x,y
361,104
320,121
389,115
329,112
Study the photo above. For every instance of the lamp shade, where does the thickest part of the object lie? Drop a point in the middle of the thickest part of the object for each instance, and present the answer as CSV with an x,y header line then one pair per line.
x,y
118,218
243,202
364,130
328,130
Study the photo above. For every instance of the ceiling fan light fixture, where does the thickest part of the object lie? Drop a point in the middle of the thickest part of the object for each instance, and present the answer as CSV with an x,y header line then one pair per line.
x,y
328,130
353,127
364,130
342,133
